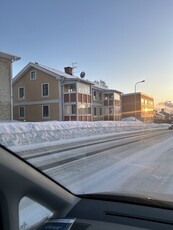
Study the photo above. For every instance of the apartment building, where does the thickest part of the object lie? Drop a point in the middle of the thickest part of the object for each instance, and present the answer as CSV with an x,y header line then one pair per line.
x,y
6,106
138,105
42,93
112,105
97,102
76,100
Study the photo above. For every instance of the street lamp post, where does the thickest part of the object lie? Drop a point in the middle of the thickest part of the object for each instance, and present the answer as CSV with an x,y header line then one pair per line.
x,y
135,94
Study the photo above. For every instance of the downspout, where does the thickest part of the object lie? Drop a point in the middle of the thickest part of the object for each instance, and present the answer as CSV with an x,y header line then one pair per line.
x,y
11,86
11,90
121,104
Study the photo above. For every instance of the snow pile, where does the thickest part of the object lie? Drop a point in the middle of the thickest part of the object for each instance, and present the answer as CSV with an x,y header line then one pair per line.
x,y
28,133
131,119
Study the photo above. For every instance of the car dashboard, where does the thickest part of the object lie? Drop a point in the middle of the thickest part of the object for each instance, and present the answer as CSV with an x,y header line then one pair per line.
x,y
90,214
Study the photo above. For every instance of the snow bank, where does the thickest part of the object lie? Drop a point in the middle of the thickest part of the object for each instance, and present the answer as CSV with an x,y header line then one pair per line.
x,y
28,133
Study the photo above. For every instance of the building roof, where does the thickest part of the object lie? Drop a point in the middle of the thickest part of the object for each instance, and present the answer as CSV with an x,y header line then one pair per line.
x,y
53,72
113,91
160,114
132,94
103,88
97,86
9,56
164,113
59,75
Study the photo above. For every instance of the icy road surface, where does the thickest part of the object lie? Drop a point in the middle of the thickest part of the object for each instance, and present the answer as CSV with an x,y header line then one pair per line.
x,y
138,165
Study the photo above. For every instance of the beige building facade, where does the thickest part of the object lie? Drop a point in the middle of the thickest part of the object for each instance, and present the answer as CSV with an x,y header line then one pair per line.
x,y
6,106
42,94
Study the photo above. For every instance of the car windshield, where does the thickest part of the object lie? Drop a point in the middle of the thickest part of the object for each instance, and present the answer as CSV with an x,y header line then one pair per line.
x,y
86,93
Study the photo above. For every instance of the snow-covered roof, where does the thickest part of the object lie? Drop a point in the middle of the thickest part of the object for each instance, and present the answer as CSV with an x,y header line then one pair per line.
x,y
103,88
53,72
113,91
9,56
160,114
59,73
99,86
164,113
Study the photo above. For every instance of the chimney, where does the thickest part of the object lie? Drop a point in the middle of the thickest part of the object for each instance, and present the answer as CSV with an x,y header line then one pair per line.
x,y
68,70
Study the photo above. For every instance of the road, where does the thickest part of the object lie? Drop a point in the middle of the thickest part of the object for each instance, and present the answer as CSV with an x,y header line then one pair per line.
x,y
129,163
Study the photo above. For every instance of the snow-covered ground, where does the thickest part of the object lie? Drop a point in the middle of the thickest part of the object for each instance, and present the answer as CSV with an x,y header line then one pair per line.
x,y
20,136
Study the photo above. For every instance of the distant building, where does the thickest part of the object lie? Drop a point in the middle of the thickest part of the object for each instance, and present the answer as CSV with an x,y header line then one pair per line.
x,y
139,105
112,105
42,93
167,117
159,117
97,102
106,104
6,107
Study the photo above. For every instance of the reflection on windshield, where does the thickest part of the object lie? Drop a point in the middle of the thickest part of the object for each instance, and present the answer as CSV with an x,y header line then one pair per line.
x,y
114,155
94,111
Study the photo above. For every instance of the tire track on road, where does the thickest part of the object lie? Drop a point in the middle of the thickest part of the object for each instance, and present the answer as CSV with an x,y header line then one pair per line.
x,y
75,158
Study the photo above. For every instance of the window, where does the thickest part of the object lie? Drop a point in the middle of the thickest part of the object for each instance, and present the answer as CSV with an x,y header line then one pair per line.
x,y
45,90
111,102
95,111
100,111
100,96
69,88
94,95
33,75
28,213
69,109
117,96
105,96
110,110
106,111
84,109
88,109
73,109
72,97
66,97
111,96
21,93
21,112
84,88
142,101
72,87
45,111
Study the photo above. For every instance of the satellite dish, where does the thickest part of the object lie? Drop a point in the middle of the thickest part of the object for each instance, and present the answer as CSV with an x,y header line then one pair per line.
x,y
82,74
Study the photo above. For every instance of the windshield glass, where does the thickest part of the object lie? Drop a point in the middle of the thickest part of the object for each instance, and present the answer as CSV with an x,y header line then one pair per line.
x,y
86,93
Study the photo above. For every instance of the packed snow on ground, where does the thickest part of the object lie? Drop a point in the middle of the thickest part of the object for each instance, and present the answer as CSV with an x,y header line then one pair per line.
x,y
20,136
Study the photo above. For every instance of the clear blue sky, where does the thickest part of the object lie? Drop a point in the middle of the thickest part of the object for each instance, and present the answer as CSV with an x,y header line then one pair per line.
x,y
118,41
